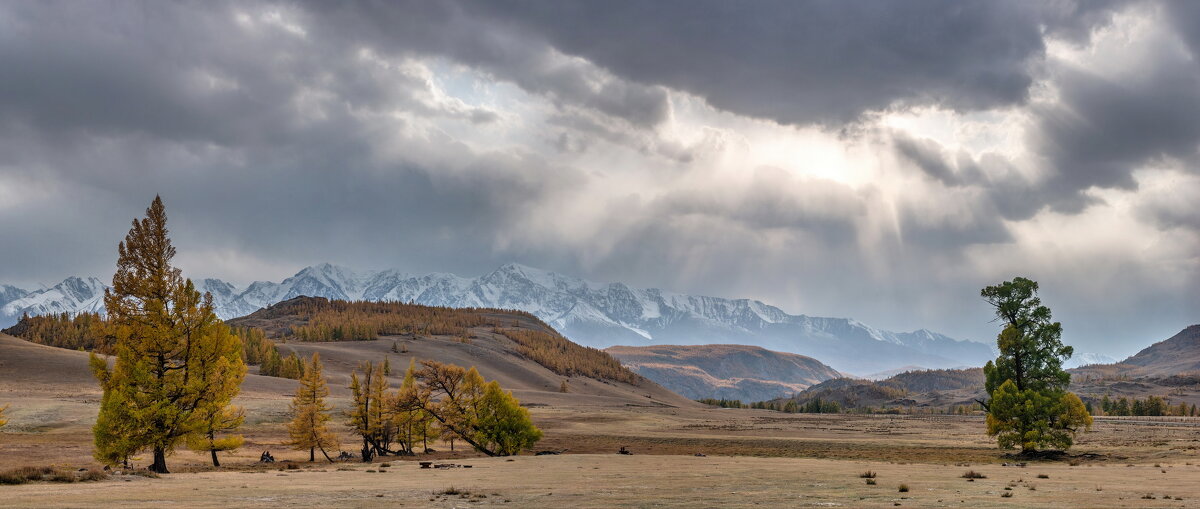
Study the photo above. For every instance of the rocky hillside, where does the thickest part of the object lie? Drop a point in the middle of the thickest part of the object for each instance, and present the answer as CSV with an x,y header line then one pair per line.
x,y
1179,354
590,313
746,373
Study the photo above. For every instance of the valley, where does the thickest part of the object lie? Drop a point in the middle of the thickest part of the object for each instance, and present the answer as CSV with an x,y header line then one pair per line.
x,y
751,457
684,453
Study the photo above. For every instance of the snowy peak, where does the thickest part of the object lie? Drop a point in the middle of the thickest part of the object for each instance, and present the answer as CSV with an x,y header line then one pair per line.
x,y
72,295
10,293
1087,359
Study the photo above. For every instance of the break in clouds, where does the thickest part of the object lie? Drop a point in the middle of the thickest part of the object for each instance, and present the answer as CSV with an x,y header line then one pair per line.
x,y
880,160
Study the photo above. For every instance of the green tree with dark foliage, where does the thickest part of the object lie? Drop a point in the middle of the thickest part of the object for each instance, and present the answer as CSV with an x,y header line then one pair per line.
x,y
1029,404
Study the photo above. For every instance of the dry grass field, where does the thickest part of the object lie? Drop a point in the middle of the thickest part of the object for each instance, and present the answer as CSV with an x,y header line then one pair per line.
x,y
751,458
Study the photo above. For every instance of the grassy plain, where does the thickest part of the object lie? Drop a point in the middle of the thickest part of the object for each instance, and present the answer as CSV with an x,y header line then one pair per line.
x,y
751,458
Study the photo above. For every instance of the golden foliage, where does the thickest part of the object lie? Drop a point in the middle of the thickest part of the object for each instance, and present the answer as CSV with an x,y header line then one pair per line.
x,y
176,362
309,427
361,320
326,320
560,355
81,331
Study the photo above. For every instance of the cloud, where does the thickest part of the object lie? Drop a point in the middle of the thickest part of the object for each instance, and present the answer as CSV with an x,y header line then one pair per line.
x,y
702,147
1103,127
813,62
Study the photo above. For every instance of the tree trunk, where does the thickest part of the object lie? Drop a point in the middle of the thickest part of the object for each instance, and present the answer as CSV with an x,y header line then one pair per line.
x,y
160,461
326,454
312,454
214,458
366,451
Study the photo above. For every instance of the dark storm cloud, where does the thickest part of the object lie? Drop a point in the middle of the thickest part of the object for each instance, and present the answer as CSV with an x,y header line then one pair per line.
x,y
824,61
463,33
930,157
1102,130
285,134
242,130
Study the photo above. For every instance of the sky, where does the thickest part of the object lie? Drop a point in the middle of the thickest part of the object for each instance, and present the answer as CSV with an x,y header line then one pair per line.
x,y
880,160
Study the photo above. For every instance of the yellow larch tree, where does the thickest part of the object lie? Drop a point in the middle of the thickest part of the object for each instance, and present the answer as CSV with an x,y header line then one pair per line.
x,y
175,361
309,427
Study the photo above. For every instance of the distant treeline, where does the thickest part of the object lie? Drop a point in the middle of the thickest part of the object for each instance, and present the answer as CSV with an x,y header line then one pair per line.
x,y
820,406
563,357
81,331
1151,406
337,320
812,406
89,332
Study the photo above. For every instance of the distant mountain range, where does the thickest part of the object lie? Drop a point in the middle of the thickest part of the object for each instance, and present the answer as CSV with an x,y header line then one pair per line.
x,y
746,373
589,313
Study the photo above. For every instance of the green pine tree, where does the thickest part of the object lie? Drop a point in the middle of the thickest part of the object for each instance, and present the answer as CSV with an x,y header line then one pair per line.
x,y
1029,405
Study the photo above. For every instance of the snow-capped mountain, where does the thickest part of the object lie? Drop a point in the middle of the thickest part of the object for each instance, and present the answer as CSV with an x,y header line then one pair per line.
x,y
72,295
593,314
1086,358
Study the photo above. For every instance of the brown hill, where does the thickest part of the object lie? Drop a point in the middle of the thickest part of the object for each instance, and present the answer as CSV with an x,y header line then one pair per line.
x,y
929,380
515,348
918,388
53,388
1179,354
742,372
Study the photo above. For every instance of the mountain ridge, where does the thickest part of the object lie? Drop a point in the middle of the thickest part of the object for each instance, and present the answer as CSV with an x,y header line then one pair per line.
x,y
590,313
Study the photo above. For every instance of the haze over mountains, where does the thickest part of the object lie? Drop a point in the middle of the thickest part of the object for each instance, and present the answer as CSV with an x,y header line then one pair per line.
x,y
589,313
746,373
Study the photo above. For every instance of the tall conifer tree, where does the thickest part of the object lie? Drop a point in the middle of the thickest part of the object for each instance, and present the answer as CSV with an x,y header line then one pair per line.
x,y
309,427
175,360
1029,407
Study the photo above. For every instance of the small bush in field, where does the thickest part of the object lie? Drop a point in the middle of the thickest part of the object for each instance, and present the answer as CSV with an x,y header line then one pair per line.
x,y
867,475
31,474
903,488
871,481
971,474
1043,476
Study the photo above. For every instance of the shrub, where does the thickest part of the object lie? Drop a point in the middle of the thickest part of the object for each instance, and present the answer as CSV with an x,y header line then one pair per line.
x,y
871,481
971,474
1043,476
93,475
903,488
31,474
1007,494
869,474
